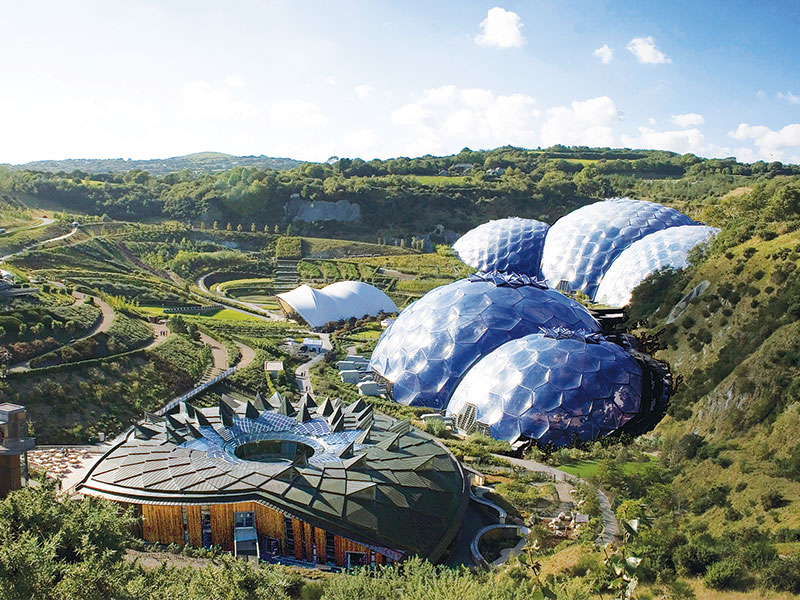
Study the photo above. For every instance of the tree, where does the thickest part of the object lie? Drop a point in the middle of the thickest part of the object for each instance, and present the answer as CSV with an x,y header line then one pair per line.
x,y
215,225
266,228
228,227
277,230
253,227
289,229
239,227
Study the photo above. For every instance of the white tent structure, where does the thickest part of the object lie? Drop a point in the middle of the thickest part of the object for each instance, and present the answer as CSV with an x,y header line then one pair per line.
x,y
334,302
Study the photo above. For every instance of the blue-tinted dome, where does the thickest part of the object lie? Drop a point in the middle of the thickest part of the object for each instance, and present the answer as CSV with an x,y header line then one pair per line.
x,y
511,244
437,338
666,248
552,389
581,245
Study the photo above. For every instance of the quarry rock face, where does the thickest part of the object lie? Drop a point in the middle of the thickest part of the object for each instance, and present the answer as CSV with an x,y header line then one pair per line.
x,y
320,210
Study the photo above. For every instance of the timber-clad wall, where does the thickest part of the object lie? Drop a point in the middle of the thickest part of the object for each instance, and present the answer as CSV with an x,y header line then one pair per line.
x,y
164,524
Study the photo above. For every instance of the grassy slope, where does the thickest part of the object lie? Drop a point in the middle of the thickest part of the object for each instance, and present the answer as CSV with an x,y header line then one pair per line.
x,y
744,411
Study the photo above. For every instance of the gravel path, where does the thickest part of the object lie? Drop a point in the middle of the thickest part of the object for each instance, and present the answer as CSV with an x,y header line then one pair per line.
x,y
610,526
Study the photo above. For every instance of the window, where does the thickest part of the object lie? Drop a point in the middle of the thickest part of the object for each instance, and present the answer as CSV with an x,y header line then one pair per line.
x,y
287,523
244,519
330,547
205,526
185,522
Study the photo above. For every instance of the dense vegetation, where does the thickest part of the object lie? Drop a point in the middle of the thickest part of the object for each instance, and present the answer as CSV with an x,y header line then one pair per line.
x,y
399,197
716,485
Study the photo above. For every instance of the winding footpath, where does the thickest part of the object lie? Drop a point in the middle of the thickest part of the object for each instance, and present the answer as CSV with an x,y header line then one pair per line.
x,y
610,526
72,232
104,324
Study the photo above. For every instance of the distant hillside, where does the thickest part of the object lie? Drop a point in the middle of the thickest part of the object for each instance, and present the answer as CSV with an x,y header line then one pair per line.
x,y
201,162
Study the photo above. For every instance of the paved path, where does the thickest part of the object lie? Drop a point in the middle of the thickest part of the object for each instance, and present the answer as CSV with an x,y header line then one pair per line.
x,y
44,221
610,526
301,375
248,355
41,243
106,319
219,355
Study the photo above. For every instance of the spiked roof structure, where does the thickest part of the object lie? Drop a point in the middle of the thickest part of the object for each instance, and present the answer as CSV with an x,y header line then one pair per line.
x,y
345,469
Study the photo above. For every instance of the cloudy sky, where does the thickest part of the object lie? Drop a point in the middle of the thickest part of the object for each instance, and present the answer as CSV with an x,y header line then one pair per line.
x,y
375,78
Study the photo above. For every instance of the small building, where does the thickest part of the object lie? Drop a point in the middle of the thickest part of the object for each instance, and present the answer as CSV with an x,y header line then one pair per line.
x,y
369,388
351,376
386,322
273,368
312,345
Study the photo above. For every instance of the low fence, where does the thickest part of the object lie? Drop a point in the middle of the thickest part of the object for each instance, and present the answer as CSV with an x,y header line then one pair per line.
x,y
195,391
192,310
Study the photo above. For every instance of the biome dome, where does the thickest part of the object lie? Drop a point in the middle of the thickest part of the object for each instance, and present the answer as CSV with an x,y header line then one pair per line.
x,y
581,245
436,339
552,387
665,248
511,244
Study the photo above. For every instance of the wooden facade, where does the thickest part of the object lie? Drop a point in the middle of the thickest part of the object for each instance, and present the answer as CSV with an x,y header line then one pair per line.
x,y
174,524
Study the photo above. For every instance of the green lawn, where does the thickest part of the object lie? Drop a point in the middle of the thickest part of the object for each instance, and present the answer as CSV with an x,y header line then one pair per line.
x,y
588,468
223,314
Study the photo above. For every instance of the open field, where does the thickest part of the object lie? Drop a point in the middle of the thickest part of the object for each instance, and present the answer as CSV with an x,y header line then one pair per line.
x,y
588,468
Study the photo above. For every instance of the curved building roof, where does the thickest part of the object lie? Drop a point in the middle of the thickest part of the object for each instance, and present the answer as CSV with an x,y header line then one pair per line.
x,y
552,388
435,340
337,301
341,468
511,244
581,246
665,248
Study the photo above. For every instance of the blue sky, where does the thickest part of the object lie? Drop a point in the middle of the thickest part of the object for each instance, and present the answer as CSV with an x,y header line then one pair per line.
x,y
381,79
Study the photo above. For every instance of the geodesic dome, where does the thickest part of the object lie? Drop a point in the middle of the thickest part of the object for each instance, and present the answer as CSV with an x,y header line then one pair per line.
x,y
552,389
436,339
666,248
511,244
581,245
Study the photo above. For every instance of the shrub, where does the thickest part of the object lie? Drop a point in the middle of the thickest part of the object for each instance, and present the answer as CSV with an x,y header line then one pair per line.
x,y
725,575
772,499
783,574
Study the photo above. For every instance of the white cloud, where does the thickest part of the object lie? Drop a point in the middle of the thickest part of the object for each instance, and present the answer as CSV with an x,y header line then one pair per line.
x,y
363,90
681,141
203,101
447,118
329,80
604,53
644,49
359,141
587,122
651,120
770,143
687,120
297,113
234,81
501,29
789,97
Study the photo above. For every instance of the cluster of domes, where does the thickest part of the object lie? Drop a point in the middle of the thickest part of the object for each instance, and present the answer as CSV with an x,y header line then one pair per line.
x,y
507,351
435,340
577,252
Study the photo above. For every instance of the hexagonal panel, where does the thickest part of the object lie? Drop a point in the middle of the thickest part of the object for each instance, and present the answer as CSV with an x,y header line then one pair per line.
x,y
566,393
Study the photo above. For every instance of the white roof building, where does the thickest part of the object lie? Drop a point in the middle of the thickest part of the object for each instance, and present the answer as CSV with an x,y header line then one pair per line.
x,y
335,302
